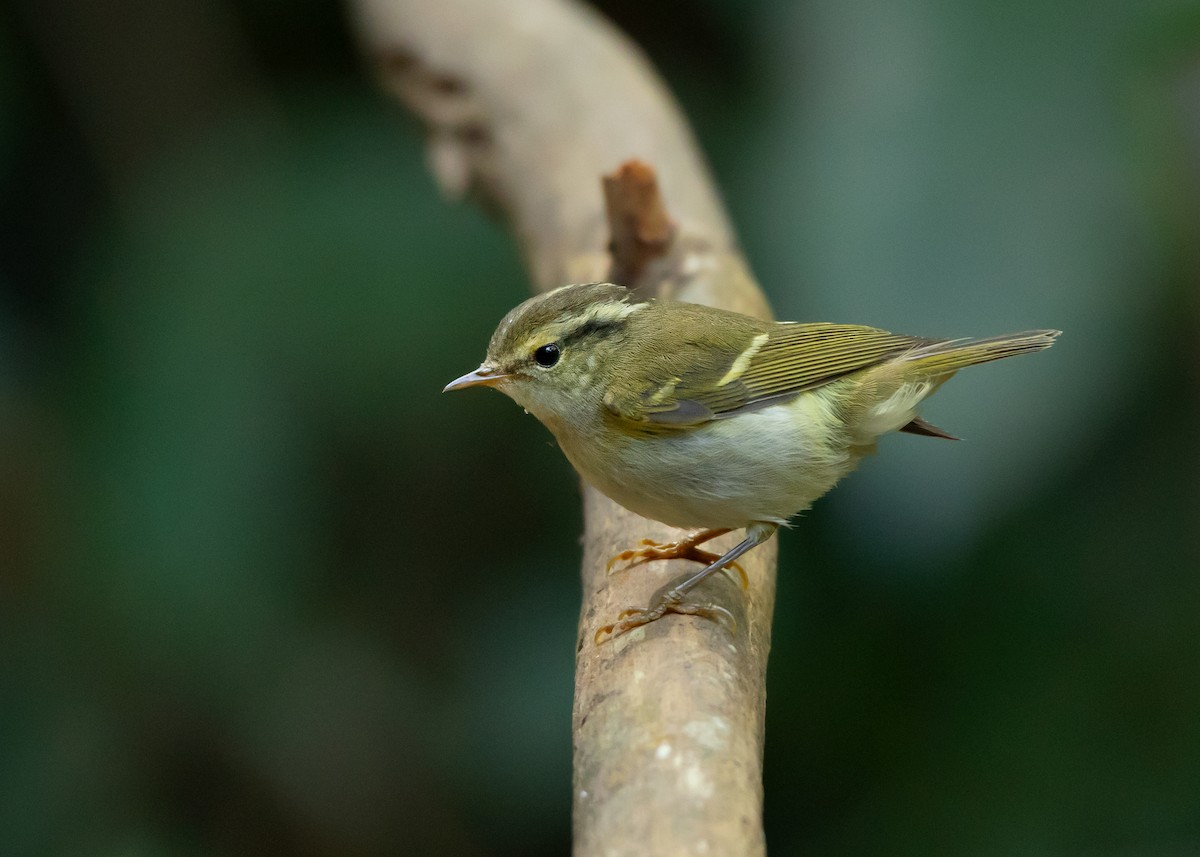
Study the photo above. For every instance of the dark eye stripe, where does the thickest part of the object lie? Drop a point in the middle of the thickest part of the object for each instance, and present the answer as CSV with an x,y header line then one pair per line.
x,y
591,328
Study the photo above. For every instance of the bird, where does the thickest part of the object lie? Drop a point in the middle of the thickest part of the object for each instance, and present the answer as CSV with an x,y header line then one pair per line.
x,y
710,420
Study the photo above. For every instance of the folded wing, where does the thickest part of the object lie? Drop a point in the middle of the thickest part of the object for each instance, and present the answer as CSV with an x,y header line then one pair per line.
x,y
750,368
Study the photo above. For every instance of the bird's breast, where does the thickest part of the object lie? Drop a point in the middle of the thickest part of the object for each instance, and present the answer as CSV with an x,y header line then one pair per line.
x,y
765,465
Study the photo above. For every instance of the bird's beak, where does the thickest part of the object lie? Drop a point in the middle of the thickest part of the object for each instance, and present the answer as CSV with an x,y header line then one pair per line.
x,y
483,376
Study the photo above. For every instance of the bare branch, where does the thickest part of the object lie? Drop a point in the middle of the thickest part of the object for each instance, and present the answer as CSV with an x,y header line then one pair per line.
x,y
528,104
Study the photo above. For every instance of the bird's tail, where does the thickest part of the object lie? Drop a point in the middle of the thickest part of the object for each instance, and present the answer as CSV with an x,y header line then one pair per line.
x,y
944,358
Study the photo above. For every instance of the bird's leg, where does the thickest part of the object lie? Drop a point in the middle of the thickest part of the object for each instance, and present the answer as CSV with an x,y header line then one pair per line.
x,y
670,598
686,548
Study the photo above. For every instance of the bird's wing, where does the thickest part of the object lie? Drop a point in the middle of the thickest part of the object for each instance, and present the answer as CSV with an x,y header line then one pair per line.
x,y
748,369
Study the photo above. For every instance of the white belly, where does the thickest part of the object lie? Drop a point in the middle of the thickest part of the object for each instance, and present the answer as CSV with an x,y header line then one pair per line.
x,y
766,465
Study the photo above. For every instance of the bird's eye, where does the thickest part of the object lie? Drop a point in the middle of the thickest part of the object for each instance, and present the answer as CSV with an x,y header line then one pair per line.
x,y
547,355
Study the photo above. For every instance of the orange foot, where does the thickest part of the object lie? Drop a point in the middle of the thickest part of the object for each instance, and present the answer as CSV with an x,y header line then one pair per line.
x,y
686,548
663,603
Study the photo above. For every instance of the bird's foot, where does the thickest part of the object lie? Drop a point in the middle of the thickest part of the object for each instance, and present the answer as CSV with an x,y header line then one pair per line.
x,y
666,600
687,548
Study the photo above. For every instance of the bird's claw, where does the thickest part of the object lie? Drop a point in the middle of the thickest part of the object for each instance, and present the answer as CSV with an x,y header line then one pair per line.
x,y
652,550
642,554
664,603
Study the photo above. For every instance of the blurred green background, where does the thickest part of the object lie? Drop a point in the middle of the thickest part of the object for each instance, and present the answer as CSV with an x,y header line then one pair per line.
x,y
257,587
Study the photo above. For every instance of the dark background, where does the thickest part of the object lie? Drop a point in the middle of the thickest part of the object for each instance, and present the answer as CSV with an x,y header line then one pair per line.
x,y
258,589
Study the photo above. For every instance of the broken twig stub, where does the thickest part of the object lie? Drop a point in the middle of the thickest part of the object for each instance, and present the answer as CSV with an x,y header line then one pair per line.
x,y
638,221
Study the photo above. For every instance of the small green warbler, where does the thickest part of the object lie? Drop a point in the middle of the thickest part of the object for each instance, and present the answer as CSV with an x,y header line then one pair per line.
x,y
702,418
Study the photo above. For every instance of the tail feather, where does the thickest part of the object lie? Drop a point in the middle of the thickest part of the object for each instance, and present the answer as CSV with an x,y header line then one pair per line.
x,y
926,429
940,358
900,384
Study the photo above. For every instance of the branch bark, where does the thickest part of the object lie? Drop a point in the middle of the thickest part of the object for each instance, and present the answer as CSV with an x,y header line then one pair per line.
x,y
528,104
